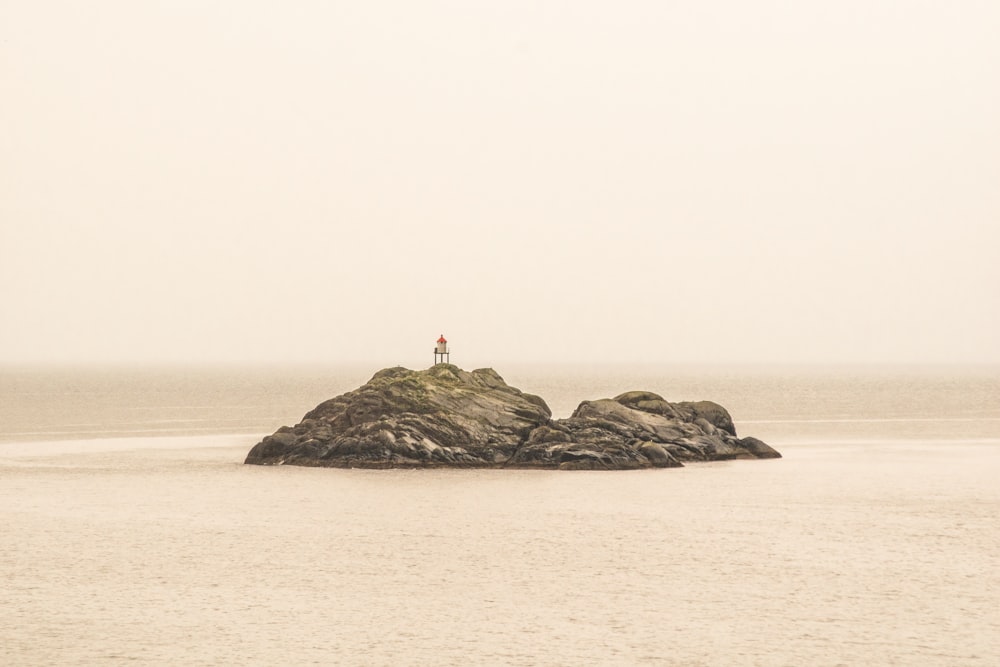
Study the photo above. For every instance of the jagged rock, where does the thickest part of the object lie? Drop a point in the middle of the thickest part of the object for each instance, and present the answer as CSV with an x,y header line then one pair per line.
x,y
447,417
701,431
443,416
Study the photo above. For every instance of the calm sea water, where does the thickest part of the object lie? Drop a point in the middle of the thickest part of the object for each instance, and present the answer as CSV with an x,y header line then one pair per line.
x,y
133,533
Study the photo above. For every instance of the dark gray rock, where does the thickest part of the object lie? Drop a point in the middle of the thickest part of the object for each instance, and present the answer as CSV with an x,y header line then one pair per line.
x,y
443,416
447,417
759,449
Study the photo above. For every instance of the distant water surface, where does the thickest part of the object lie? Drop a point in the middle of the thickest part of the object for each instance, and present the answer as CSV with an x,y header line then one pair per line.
x,y
133,533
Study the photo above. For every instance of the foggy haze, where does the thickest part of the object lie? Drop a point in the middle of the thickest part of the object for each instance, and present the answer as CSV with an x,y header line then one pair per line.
x,y
568,181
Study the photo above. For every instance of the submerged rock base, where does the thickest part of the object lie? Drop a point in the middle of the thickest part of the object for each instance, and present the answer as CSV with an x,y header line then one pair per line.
x,y
447,417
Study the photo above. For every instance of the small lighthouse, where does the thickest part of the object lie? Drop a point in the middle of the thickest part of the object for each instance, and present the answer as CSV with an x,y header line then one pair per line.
x,y
441,354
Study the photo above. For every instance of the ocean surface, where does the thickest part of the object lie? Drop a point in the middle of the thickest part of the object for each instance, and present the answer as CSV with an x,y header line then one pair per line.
x,y
132,532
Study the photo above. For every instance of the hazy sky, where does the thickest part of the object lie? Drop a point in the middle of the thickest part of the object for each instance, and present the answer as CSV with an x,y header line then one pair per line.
x,y
728,181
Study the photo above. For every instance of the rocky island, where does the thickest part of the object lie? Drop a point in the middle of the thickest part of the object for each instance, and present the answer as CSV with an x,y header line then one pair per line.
x,y
447,417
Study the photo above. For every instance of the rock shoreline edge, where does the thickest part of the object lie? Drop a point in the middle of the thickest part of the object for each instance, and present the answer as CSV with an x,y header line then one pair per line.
x,y
446,417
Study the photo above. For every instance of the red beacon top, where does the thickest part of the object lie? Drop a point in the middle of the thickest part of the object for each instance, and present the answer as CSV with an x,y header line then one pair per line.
x,y
441,339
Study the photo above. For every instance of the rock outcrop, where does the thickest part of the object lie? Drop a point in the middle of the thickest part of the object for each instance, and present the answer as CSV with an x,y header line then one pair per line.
x,y
448,417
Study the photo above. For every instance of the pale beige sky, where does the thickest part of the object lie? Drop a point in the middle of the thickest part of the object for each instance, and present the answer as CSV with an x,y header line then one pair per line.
x,y
187,181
